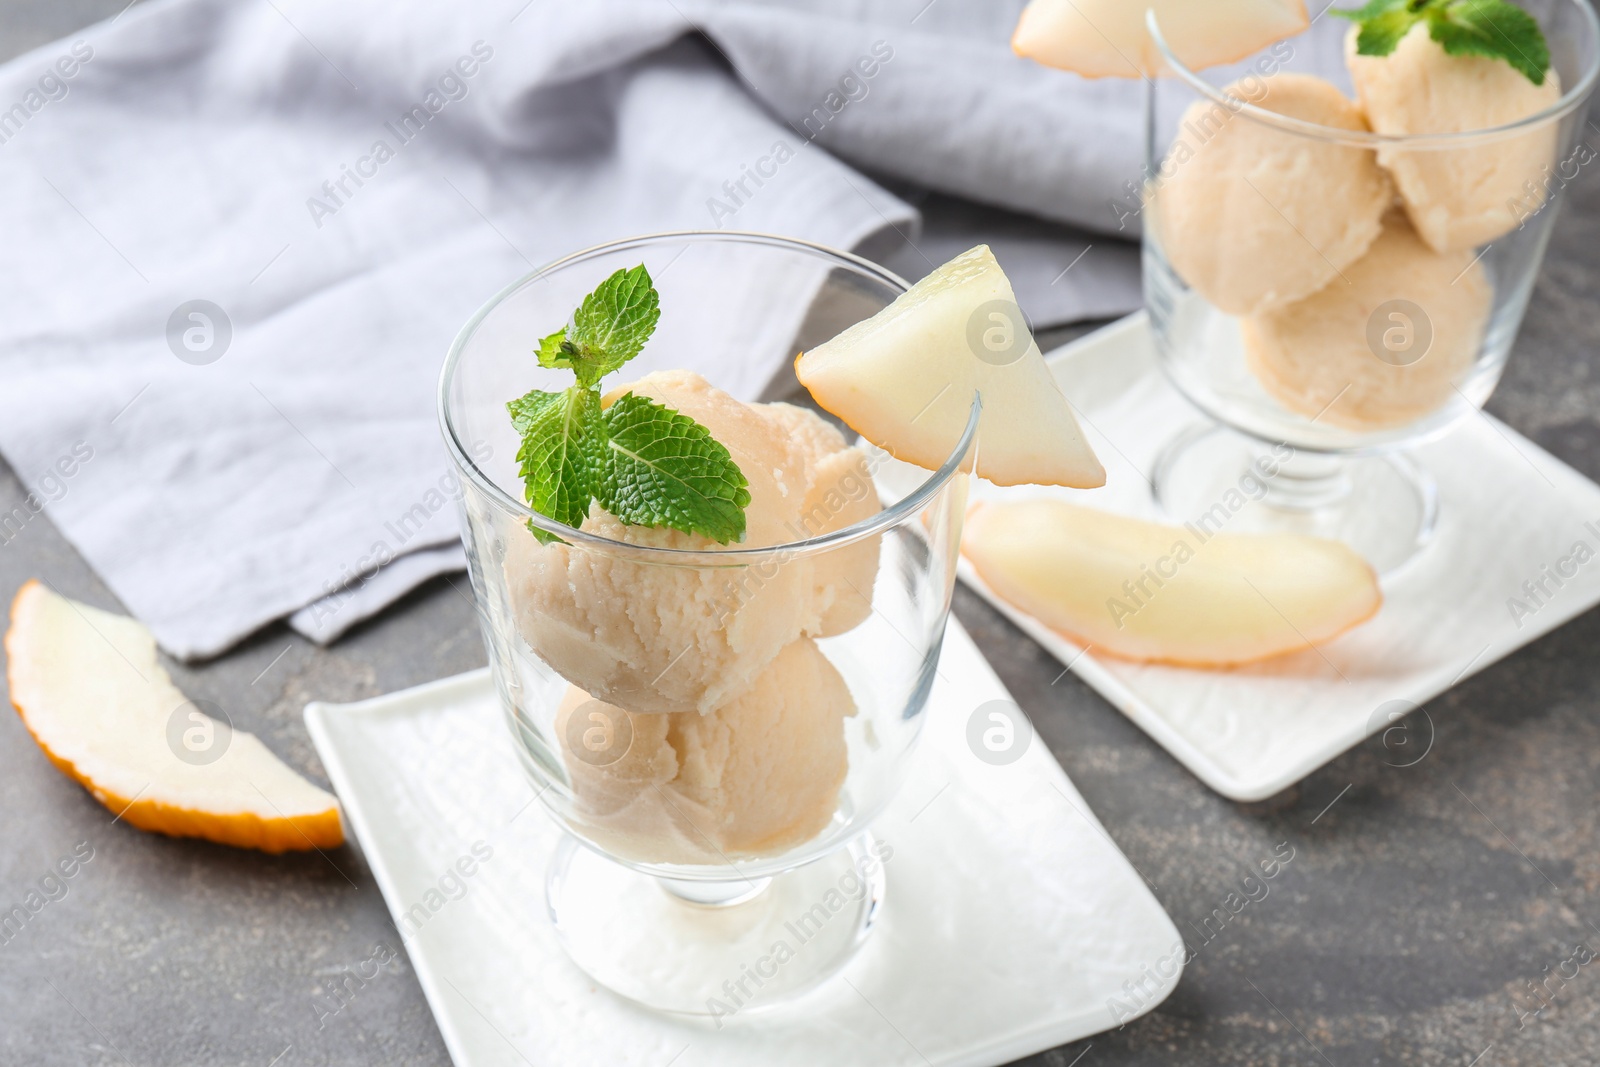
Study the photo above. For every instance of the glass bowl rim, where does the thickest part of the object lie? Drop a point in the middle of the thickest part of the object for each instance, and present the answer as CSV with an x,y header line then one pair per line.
x,y
1571,99
891,516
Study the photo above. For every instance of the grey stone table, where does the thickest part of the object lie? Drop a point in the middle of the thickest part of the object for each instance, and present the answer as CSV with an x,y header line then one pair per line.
x,y
1407,929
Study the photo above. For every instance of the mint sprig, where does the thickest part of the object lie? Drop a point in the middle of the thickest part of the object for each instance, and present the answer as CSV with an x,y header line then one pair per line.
x,y
642,461
1494,29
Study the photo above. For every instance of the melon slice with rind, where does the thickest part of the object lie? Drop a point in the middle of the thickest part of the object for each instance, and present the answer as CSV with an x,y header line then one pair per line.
x,y
1108,38
1187,595
94,695
905,380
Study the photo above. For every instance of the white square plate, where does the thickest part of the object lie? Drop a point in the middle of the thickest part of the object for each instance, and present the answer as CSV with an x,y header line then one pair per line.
x,y
1508,510
1011,924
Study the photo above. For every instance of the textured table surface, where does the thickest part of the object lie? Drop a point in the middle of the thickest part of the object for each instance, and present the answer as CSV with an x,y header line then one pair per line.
x,y
1417,911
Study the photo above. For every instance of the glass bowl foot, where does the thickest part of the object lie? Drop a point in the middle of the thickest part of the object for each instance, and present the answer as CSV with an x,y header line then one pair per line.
x,y
714,949
1386,507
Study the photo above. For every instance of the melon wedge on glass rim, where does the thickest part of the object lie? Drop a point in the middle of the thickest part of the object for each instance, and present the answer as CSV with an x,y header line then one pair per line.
x,y
905,379
95,697
1108,39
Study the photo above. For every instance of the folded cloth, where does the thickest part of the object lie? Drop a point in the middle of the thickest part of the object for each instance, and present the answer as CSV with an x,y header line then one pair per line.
x,y
330,618
242,234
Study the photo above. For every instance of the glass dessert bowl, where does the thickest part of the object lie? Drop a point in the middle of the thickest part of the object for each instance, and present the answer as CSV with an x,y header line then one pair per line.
x,y
714,725
1338,252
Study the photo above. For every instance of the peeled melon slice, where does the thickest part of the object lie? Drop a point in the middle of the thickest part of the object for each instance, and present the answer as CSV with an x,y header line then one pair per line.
x,y
1107,38
1169,594
905,378
92,693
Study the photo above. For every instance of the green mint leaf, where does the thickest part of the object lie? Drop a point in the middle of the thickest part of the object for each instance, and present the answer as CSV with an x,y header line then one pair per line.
x,y
556,352
614,322
1383,24
563,446
664,469
1494,29
609,328
1381,36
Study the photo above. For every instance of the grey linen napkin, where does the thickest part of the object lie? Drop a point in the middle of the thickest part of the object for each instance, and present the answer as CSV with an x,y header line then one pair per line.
x,y
241,234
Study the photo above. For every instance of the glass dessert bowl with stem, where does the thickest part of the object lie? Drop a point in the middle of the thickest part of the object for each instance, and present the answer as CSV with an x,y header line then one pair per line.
x,y
1338,252
714,725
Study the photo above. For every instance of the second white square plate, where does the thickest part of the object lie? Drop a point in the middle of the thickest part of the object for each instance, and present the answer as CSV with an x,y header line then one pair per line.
x,y
1508,509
